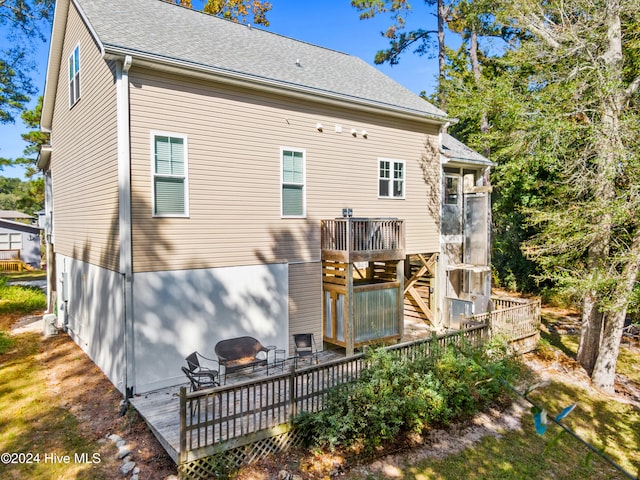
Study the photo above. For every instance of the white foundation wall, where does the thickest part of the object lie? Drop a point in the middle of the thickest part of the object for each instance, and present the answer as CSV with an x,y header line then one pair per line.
x,y
91,307
178,312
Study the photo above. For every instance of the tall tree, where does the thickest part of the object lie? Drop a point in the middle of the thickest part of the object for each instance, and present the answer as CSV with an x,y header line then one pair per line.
x,y
563,117
418,41
27,196
35,138
21,22
236,10
572,119
584,54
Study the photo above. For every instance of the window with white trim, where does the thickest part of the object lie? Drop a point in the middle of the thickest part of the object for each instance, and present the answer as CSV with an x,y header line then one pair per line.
x,y
10,241
391,178
293,182
170,191
74,77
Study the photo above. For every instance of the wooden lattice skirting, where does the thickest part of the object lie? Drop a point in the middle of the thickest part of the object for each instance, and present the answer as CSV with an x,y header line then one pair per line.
x,y
208,467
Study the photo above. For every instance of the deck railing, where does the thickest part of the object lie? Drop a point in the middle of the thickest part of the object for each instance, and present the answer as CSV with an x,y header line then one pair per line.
x,y
218,419
515,319
355,239
213,420
10,261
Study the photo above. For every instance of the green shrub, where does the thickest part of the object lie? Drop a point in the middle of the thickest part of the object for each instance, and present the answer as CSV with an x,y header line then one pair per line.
x,y
395,395
20,299
6,342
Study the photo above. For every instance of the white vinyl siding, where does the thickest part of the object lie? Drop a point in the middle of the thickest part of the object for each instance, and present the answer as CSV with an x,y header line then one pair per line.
x,y
293,183
74,77
391,178
169,175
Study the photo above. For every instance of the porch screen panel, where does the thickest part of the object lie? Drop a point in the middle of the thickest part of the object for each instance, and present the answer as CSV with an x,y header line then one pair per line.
x,y
328,315
476,234
340,318
376,314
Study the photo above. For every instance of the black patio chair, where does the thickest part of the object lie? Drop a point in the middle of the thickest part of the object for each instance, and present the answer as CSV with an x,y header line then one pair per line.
x,y
305,347
199,376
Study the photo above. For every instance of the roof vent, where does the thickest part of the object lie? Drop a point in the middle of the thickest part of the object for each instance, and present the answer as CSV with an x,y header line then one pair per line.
x,y
249,26
297,61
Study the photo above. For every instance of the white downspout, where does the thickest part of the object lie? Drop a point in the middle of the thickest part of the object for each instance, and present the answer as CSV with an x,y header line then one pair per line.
x,y
124,200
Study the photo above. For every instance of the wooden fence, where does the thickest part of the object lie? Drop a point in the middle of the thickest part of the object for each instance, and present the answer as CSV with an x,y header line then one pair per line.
x,y
518,320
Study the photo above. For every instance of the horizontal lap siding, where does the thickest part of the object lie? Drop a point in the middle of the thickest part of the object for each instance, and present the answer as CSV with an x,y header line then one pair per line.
x,y
305,300
84,159
234,140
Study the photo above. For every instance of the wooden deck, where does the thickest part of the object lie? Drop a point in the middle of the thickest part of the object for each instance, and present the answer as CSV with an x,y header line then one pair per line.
x,y
257,406
161,408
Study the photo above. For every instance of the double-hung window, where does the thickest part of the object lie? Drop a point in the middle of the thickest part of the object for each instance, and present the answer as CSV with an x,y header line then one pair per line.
x,y
170,191
74,77
293,182
391,178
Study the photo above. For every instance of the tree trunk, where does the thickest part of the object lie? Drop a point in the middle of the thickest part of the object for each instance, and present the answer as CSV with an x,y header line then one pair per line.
x,y
604,370
477,75
590,333
607,327
442,13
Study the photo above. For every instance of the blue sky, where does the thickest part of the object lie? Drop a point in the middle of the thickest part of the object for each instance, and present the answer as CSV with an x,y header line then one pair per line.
x,y
331,23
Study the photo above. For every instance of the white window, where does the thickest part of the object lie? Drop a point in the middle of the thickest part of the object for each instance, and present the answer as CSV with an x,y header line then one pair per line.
x,y
10,241
170,192
293,183
74,77
391,178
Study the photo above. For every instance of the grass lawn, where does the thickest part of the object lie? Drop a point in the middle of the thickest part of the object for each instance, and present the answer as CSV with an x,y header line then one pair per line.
x,y
33,426
26,275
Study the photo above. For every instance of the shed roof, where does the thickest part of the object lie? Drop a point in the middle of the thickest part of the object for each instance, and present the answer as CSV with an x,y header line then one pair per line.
x,y
457,151
19,227
13,214
164,33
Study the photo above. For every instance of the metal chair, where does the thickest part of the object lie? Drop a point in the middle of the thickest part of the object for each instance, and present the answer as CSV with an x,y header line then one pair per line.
x,y
200,377
305,347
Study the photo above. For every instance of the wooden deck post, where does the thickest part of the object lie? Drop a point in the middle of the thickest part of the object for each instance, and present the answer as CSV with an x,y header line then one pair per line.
x,y
182,455
349,334
293,399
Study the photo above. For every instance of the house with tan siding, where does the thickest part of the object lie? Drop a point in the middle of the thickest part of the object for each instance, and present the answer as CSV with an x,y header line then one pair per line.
x,y
208,180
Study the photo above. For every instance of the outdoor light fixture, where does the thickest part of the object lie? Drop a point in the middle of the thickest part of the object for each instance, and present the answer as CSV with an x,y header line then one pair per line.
x,y
319,127
365,133
354,132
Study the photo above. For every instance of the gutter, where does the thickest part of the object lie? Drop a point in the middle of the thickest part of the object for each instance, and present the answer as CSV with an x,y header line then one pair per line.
x,y
124,220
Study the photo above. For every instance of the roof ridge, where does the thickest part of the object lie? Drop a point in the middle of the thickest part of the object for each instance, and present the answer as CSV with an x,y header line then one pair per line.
x,y
257,27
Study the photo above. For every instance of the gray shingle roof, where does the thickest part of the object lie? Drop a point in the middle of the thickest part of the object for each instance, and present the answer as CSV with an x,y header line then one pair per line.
x,y
13,214
456,150
155,29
